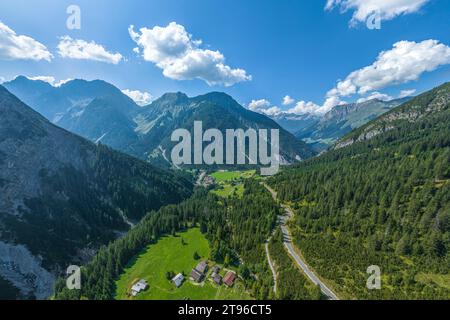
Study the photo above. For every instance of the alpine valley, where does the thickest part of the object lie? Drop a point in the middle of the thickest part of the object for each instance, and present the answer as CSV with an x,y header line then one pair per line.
x,y
62,197
100,112
379,195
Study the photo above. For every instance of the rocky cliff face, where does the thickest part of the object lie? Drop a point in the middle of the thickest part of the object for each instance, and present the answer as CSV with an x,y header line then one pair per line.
x,y
25,271
342,119
100,112
429,103
62,196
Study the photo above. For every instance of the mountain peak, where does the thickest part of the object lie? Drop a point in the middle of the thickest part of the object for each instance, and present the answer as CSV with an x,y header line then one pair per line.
x,y
218,98
23,81
172,98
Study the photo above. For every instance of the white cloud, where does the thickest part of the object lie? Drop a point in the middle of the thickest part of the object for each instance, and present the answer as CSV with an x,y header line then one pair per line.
x,y
83,50
406,93
20,47
265,107
405,62
61,82
272,111
2,80
376,95
259,104
142,98
303,107
180,57
50,79
287,101
388,9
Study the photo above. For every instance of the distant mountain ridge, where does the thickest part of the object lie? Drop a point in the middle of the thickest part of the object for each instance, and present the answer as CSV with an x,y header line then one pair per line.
x,y
61,196
382,194
100,112
424,105
323,131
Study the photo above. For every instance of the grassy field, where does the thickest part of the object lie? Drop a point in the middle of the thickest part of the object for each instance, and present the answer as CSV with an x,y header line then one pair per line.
x,y
227,176
231,182
174,254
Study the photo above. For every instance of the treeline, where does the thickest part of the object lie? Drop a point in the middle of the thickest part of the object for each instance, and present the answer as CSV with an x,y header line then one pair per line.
x,y
238,236
99,276
85,207
236,229
149,187
291,282
382,202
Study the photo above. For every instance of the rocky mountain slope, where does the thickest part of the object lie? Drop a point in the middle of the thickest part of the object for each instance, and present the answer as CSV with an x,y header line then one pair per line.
x,y
382,197
215,110
62,196
98,111
424,105
343,119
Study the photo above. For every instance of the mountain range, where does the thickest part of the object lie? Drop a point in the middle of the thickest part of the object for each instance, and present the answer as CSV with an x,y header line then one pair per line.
x,y
62,197
321,132
65,191
100,112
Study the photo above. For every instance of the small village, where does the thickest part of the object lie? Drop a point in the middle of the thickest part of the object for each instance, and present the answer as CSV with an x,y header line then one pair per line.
x,y
198,275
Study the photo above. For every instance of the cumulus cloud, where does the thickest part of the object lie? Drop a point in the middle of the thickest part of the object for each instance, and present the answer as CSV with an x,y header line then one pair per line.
x,y
405,62
387,9
141,98
265,107
303,107
173,50
21,47
259,104
288,100
2,80
272,111
376,95
50,79
83,50
407,93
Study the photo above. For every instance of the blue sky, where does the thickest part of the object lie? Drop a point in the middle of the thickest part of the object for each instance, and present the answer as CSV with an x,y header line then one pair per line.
x,y
288,47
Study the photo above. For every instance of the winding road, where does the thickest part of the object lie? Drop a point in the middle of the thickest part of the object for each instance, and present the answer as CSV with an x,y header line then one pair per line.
x,y
283,220
274,273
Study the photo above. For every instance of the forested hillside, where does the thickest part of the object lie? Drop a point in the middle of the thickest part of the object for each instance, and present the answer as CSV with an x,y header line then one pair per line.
x,y
384,200
61,196
292,283
236,229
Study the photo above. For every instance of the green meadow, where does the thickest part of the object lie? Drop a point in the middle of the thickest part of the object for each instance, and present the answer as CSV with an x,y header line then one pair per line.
x,y
175,254
231,182
227,176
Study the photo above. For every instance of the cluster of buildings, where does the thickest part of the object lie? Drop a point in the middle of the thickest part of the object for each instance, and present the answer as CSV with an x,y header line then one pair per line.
x,y
198,274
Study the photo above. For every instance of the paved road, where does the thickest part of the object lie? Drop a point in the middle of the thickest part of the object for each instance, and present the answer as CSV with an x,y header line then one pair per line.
x,y
271,267
291,249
